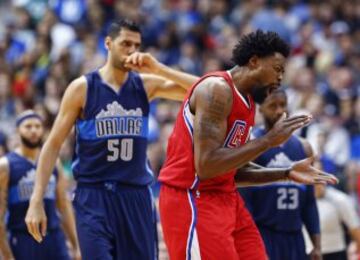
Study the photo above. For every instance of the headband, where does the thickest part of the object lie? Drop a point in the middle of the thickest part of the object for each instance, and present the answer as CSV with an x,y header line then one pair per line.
x,y
22,117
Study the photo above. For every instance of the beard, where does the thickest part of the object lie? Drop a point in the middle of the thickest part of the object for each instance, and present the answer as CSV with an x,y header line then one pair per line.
x,y
259,94
31,144
119,64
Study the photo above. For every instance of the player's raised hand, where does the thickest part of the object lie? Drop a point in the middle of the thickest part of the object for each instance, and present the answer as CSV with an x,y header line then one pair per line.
x,y
36,220
142,62
285,127
303,172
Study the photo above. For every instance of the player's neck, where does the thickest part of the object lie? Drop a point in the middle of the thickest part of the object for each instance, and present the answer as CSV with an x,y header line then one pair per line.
x,y
113,76
29,153
243,79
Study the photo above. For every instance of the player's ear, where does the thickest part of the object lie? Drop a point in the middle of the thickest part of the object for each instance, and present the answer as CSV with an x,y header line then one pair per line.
x,y
108,42
253,62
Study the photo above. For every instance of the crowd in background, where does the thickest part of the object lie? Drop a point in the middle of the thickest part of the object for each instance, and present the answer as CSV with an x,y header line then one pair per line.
x,y
46,44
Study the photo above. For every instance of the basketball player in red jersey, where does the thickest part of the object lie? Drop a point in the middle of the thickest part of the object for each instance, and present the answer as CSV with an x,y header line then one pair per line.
x,y
202,215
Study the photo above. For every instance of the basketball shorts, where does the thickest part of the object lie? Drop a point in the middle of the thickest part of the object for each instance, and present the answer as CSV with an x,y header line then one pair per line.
x,y
208,225
115,221
283,245
25,247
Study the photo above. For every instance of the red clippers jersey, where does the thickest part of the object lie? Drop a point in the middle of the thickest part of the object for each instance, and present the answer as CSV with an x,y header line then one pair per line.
x,y
179,167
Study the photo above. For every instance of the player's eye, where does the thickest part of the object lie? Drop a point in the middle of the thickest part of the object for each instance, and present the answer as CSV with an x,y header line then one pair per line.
x,y
126,44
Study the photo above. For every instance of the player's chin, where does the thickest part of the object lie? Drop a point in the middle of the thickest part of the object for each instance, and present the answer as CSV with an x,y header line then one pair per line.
x,y
121,66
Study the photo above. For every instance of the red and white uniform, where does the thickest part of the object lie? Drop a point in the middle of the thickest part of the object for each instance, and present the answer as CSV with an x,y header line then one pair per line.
x,y
207,219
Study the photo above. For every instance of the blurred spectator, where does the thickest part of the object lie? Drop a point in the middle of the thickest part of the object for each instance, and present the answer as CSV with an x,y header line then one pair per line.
x,y
3,145
336,208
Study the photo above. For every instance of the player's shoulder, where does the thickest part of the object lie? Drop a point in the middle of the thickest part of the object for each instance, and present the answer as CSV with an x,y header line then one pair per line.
x,y
78,83
213,85
76,90
4,165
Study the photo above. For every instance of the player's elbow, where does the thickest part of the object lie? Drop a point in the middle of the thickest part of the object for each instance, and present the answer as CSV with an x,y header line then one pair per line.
x,y
52,145
203,169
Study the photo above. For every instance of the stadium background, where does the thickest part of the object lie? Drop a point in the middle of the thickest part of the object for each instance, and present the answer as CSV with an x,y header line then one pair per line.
x,y
46,44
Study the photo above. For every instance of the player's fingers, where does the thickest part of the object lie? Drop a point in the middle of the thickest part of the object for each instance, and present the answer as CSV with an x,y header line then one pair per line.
x,y
130,59
43,226
330,179
127,59
282,118
292,118
318,181
28,226
33,229
293,128
296,121
137,59
141,59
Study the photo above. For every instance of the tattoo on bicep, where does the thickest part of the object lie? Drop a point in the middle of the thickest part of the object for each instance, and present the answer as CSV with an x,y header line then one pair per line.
x,y
211,123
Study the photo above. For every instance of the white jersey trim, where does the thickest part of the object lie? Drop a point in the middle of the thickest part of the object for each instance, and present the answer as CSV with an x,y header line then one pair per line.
x,y
189,119
192,245
238,93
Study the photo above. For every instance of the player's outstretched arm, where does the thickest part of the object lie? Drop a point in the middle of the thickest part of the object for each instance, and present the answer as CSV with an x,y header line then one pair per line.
x,y
212,103
159,87
67,214
301,172
70,109
144,62
4,179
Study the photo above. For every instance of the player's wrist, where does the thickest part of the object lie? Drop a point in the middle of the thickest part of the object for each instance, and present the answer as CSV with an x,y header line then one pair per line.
x,y
36,199
265,142
287,172
160,69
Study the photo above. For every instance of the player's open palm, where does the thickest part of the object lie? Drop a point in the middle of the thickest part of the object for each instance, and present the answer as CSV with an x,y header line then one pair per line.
x,y
285,127
303,172
36,220
142,62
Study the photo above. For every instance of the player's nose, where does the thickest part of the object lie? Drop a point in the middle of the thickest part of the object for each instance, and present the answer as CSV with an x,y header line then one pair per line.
x,y
278,112
132,49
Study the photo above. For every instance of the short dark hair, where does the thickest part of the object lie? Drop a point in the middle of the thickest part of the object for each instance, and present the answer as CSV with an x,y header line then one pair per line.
x,y
259,43
116,26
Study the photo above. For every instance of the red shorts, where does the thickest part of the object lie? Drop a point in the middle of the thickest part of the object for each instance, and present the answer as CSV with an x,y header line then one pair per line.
x,y
209,225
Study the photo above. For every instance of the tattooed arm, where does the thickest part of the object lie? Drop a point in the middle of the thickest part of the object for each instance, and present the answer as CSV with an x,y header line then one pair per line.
x,y
212,102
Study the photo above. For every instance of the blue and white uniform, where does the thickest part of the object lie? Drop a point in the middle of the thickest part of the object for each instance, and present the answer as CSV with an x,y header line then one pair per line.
x,y
21,185
113,204
280,209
